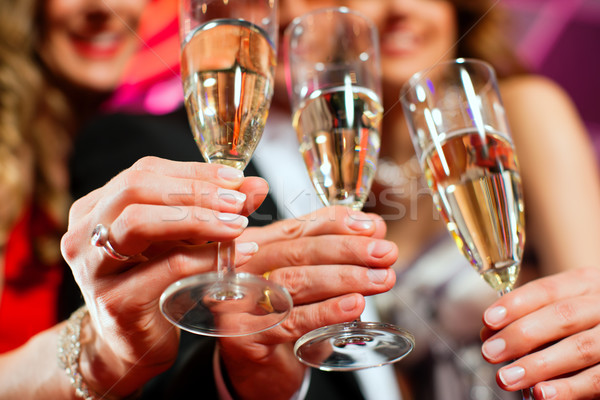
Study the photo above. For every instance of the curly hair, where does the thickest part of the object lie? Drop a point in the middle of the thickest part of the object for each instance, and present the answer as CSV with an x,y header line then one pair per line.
x,y
34,122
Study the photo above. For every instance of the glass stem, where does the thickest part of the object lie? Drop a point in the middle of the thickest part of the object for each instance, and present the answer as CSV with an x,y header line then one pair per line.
x,y
226,259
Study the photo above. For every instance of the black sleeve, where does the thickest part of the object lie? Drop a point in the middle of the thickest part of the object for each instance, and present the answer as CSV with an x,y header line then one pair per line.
x,y
111,143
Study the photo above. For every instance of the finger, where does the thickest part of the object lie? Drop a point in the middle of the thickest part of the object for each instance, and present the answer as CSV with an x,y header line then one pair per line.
x,y
221,175
148,188
485,333
305,318
143,226
179,263
569,355
158,181
583,385
313,284
217,173
256,190
330,220
138,226
546,325
539,293
322,250
302,319
309,317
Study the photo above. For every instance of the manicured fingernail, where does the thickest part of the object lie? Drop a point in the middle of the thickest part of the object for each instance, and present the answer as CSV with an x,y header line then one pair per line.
x,y
359,222
495,315
377,275
233,220
231,196
380,248
549,392
512,375
230,174
493,348
246,248
348,304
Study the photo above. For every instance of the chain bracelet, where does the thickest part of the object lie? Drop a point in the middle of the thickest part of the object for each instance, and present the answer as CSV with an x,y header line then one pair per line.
x,y
69,350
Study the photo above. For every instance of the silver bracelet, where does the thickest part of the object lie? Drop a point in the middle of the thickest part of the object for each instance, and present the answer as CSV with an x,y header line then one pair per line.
x,y
69,350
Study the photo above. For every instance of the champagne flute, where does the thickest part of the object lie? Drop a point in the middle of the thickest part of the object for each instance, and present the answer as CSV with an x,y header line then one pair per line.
x,y
227,67
334,84
461,136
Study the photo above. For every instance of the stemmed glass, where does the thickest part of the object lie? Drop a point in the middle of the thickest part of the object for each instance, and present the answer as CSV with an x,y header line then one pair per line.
x,y
462,139
333,77
227,66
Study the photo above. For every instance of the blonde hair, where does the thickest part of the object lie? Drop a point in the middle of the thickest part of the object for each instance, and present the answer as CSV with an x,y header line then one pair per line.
x,y
34,122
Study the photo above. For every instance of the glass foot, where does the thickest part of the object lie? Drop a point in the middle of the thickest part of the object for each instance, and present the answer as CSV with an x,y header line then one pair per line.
x,y
209,305
353,345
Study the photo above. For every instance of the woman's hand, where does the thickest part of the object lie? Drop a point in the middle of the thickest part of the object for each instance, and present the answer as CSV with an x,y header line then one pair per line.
x,y
550,326
328,261
163,212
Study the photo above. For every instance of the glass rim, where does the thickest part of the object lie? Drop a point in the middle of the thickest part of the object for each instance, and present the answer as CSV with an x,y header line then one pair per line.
x,y
270,33
341,10
418,76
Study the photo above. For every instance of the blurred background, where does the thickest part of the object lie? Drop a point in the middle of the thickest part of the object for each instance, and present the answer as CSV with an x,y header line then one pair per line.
x,y
561,39
556,38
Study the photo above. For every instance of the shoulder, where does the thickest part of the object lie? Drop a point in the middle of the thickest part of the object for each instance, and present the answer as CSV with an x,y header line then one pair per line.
x,y
543,119
540,90
536,102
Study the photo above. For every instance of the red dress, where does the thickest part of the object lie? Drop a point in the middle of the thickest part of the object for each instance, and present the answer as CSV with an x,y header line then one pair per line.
x,y
33,273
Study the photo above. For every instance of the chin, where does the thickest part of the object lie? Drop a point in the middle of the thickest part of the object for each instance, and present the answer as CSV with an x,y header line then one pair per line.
x,y
93,84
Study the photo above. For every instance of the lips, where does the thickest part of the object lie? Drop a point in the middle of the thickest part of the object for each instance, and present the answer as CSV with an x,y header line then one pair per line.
x,y
399,42
97,46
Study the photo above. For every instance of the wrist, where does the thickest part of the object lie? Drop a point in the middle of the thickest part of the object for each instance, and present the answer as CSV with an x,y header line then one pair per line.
x,y
92,376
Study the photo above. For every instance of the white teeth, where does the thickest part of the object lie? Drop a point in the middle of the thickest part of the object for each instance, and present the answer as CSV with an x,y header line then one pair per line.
x,y
103,39
400,40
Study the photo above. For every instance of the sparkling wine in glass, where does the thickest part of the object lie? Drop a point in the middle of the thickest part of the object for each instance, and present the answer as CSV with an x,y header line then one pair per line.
x,y
228,60
332,66
462,139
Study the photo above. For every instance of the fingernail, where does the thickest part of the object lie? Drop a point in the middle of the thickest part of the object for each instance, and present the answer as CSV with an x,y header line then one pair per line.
x,y
246,248
380,248
377,275
348,304
231,196
233,220
493,348
512,375
230,174
495,315
359,222
549,392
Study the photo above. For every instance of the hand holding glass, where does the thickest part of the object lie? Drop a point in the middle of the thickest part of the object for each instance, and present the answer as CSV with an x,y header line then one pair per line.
x,y
227,66
332,66
462,139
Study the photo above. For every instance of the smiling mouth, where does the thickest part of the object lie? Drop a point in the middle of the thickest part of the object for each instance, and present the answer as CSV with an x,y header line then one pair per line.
x,y
100,46
399,42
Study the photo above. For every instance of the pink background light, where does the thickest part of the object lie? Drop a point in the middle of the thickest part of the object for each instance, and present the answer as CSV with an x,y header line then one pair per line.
x,y
561,40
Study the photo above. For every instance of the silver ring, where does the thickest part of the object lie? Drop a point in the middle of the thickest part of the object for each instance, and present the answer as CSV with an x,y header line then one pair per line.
x,y
100,239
